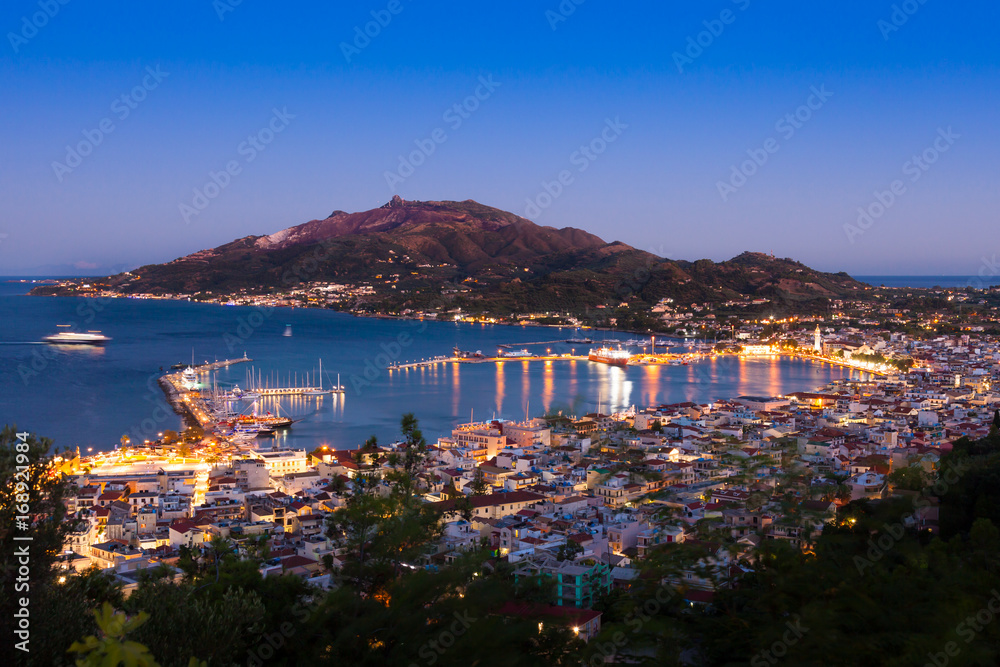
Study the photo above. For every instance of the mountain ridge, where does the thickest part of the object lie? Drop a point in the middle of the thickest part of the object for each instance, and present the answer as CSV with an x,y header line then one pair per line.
x,y
407,253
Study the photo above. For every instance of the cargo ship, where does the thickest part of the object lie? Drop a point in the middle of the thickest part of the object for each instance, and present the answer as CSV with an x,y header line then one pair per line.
x,y
607,355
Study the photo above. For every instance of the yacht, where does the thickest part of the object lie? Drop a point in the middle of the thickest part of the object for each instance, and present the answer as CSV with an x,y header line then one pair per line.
x,y
189,378
76,338
517,354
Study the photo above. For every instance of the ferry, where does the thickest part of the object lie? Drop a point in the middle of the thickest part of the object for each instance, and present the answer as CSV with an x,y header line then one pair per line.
x,y
607,355
75,338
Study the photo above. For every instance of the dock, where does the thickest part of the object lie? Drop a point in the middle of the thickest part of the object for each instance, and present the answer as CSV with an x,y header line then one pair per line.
x,y
215,365
282,391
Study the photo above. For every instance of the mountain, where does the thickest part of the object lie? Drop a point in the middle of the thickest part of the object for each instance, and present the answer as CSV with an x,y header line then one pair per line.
x,y
419,254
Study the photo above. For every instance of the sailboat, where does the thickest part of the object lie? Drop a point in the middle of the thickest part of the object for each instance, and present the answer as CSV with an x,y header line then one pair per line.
x,y
318,391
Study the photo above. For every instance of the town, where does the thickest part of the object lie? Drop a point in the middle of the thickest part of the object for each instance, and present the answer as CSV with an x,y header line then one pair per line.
x,y
580,500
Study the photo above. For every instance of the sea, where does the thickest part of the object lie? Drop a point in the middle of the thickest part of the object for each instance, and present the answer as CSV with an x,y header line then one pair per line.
x,y
89,397
929,282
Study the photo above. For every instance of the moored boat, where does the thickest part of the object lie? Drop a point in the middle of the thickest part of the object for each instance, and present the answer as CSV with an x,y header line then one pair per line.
x,y
608,355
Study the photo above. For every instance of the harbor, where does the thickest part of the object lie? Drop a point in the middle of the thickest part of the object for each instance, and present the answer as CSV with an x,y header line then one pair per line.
x,y
211,410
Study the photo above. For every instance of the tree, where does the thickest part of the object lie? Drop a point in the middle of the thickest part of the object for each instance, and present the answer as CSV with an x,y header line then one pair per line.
x,y
384,531
568,550
479,485
910,478
31,504
405,466
185,620
112,649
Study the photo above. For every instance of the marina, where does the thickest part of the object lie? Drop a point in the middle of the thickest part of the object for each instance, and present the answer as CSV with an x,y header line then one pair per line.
x,y
107,391
212,410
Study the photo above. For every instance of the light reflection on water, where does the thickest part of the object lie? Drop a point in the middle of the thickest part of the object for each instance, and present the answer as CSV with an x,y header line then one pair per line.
x,y
91,396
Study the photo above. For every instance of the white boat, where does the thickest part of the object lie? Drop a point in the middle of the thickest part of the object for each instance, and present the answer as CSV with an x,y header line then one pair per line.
x,y
189,378
77,338
288,330
515,354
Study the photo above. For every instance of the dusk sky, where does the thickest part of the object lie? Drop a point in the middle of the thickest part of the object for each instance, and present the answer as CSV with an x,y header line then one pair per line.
x,y
667,121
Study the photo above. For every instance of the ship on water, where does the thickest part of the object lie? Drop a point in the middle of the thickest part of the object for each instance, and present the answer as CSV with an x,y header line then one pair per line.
x,y
76,338
608,355
189,378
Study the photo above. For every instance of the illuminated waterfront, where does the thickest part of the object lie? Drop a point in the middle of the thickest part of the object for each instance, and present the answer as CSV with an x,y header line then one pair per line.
x,y
91,396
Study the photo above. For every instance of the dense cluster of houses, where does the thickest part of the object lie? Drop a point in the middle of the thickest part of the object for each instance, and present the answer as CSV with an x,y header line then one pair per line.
x,y
580,501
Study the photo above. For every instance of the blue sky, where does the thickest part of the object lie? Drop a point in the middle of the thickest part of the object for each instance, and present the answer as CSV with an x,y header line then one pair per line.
x,y
666,182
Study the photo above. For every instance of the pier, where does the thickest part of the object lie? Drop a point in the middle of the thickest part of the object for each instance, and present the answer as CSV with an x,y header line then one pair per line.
x,y
190,405
215,365
251,394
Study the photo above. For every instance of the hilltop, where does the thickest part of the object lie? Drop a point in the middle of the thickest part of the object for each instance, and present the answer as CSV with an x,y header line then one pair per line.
x,y
411,255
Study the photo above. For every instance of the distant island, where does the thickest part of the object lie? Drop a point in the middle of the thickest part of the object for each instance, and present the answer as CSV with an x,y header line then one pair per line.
x,y
434,258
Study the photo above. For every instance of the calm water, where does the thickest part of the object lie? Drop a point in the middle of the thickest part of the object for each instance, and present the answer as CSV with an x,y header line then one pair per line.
x,y
930,281
90,397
